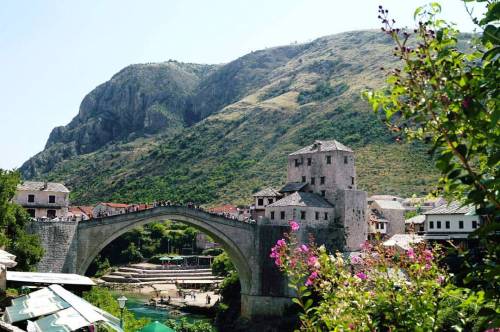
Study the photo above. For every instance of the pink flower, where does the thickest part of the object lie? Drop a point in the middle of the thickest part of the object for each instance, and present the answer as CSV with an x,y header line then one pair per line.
x,y
410,253
278,261
355,260
311,278
304,248
294,225
311,261
428,255
361,276
427,266
366,246
281,243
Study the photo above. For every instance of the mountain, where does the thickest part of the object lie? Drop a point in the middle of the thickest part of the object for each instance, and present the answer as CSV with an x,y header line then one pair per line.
x,y
216,133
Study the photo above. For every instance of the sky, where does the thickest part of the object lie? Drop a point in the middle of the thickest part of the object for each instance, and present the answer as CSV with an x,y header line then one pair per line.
x,y
52,53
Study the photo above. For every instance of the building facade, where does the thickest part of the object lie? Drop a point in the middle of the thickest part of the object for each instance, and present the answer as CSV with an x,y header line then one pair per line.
x,y
387,217
43,200
450,221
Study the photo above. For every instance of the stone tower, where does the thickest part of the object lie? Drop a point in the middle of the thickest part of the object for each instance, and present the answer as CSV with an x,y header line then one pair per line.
x,y
321,189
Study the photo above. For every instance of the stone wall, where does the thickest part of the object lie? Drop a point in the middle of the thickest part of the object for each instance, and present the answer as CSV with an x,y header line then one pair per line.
x,y
57,241
350,209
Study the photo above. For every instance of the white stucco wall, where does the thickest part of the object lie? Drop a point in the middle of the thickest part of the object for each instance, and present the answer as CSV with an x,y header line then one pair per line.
x,y
454,220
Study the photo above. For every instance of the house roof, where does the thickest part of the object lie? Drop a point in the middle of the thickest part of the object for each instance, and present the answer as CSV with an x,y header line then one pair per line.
x,y
416,220
389,205
302,199
225,208
385,198
80,209
49,278
42,186
293,186
115,205
267,192
322,146
403,241
452,208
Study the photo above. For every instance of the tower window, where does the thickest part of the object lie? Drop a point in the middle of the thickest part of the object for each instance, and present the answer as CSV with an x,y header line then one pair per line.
x,y
322,180
316,215
302,215
352,180
461,224
272,215
282,215
313,180
52,199
31,198
328,159
297,163
309,161
326,216
345,159
303,179
323,193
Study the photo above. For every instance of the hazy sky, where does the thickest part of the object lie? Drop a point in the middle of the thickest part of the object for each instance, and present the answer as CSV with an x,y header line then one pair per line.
x,y
52,53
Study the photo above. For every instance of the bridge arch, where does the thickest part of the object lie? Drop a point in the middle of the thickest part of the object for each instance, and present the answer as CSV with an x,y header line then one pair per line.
x,y
236,237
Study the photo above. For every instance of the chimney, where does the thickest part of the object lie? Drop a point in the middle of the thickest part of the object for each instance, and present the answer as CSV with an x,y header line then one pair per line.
x,y
45,185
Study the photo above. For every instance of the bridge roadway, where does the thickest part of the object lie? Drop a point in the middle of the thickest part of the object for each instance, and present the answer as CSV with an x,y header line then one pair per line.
x,y
72,246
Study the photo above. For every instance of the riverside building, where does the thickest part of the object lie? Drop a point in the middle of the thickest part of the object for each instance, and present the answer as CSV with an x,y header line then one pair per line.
x,y
43,199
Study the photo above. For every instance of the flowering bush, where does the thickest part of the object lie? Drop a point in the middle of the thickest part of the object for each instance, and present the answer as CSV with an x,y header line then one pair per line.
x,y
381,289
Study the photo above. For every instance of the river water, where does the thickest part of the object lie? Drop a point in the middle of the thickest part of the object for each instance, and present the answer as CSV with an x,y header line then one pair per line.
x,y
137,305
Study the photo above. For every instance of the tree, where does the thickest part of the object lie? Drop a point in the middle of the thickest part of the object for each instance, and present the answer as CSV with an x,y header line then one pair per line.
x,y
13,221
448,97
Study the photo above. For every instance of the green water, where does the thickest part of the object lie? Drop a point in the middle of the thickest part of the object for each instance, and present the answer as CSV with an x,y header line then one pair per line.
x,y
137,305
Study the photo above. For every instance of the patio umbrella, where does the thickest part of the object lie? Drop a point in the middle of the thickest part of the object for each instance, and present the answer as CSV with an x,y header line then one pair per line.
x,y
156,327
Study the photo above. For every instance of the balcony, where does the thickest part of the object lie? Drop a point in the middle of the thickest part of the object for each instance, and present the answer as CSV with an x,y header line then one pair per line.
x,y
39,204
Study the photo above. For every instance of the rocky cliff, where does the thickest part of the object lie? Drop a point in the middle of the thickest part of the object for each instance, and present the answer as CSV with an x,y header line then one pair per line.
x,y
216,133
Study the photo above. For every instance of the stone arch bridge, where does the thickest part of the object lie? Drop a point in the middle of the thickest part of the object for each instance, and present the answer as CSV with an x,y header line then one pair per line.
x,y
71,246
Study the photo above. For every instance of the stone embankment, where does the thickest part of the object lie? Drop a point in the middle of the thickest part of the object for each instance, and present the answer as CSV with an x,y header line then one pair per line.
x,y
139,274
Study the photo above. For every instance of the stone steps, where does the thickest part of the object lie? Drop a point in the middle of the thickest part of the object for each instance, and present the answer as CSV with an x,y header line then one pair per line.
x,y
159,275
121,279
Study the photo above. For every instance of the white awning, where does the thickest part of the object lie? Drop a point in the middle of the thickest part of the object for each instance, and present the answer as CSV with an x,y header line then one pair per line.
x,y
62,310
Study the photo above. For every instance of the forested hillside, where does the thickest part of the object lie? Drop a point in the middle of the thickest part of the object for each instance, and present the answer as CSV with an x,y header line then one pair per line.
x,y
213,134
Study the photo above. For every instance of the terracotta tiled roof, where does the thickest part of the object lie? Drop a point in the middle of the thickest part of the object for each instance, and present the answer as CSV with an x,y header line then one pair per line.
x,y
116,205
320,146
226,208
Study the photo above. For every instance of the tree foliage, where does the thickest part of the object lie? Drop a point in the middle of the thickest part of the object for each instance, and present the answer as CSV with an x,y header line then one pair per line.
x,y
13,221
448,97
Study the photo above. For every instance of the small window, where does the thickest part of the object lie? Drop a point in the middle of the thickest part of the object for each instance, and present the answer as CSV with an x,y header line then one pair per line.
x,y
282,215
309,161
322,180
52,199
323,193
297,163
31,198
303,179
431,224
345,159
474,224
316,215
352,180
260,202
447,224
313,181
382,225
461,224
270,201
326,216
272,215
328,159
31,212
438,224
302,215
